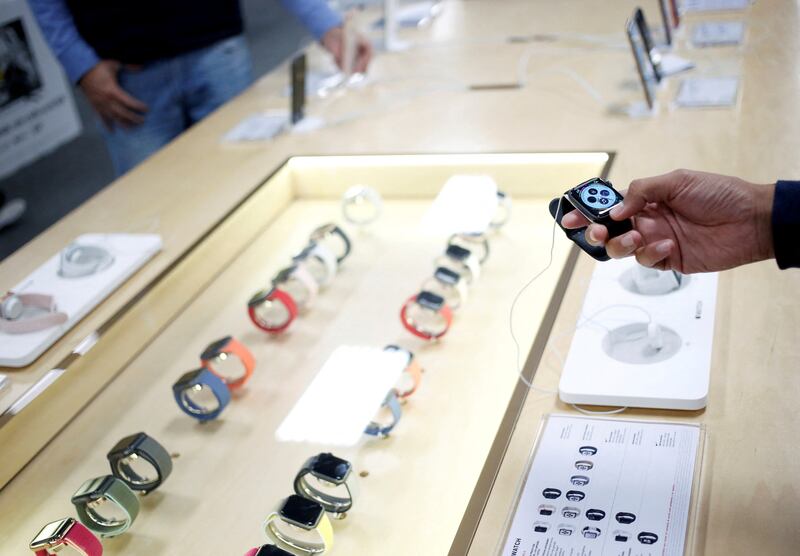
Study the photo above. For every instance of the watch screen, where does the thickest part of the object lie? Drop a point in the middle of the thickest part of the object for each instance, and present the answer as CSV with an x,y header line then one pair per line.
x,y
215,348
302,512
331,468
430,300
596,197
447,276
272,550
457,252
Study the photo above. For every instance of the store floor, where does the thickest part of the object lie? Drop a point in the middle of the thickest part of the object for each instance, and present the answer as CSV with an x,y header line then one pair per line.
x,y
65,178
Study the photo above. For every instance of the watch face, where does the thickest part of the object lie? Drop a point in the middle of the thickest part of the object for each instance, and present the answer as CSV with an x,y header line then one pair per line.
x,y
215,348
301,512
187,380
457,252
330,468
93,489
272,550
260,297
430,300
127,445
594,198
52,533
447,276
284,275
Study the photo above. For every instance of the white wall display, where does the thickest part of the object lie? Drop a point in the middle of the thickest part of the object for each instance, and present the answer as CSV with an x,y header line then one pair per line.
x,y
37,111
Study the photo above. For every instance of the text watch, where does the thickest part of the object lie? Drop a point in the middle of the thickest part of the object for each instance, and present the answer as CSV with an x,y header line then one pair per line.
x,y
272,310
201,394
217,356
296,521
106,505
67,532
140,462
12,307
325,479
426,315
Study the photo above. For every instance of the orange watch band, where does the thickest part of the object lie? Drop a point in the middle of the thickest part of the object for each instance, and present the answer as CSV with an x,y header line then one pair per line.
x,y
229,346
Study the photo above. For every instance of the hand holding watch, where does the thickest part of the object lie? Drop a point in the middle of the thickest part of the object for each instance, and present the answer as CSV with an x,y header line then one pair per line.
x,y
106,505
12,307
426,315
140,462
219,356
201,394
66,532
300,526
594,199
326,480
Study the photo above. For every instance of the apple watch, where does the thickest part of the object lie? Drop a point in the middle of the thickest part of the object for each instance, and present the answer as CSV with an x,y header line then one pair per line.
x,y
476,243
272,310
201,394
412,373
594,199
140,462
461,260
426,315
361,205
230,360
12,307
503,213
267,550
335,238
450,285
78,260
300,526
67,532
297,281
106,505
325,479
383,427
320,261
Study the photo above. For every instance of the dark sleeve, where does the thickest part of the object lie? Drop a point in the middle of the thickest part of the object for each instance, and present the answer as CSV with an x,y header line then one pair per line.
x,y
786,224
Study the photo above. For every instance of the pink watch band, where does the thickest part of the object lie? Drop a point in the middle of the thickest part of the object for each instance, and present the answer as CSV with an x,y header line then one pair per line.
x,y
25,326
252,552
81,539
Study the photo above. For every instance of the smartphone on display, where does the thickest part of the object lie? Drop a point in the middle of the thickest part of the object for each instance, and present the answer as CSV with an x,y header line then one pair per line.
x,y
298,71
662,4
643,67
652,54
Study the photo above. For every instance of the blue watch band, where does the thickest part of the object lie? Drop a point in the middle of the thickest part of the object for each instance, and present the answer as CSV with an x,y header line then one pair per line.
x,y
393,404
201,377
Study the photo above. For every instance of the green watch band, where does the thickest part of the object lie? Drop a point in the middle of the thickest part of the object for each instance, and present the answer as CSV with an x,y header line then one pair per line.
x,y
106,488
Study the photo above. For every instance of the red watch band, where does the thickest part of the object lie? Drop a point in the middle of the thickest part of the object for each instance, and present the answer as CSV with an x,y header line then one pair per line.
x,y
238,349
80,539
445,312
275,295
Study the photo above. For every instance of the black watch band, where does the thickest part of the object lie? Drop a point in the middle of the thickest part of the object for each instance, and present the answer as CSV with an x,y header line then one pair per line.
x,y
143,446
558,208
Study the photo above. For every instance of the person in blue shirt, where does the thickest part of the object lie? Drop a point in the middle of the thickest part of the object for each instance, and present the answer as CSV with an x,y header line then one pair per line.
x,y
700,222
152,68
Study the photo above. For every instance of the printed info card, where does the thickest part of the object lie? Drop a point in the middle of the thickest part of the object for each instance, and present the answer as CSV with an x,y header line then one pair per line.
x,y
606,487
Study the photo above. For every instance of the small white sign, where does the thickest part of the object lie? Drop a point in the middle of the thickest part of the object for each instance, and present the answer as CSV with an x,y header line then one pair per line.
x,y
718,33
259,127
708,92
465,204
344,397
714,5
606,487
37,111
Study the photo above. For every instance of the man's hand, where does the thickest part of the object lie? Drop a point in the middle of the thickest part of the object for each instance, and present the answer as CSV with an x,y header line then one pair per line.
x,y
690,222
109,100
333,41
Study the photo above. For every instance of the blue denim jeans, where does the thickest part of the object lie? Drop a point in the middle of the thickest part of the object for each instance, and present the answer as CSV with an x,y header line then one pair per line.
x,y
179,92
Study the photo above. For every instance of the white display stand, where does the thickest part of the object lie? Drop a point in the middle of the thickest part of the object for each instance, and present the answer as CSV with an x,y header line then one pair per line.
x,y
674,375
76,296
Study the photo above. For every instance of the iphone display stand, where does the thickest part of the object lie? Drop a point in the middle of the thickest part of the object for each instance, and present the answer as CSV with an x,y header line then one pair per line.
x,y
76,296
642,342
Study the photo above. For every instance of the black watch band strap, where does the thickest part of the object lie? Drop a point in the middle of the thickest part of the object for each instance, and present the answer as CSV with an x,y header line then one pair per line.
x,y
558,208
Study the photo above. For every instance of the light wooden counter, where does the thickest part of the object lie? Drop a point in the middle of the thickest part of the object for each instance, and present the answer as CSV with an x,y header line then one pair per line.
x,y
419,103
